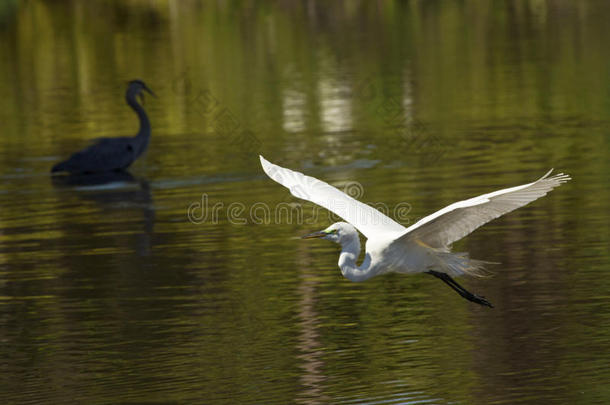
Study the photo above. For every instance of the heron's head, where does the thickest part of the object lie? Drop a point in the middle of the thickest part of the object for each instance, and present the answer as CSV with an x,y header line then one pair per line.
x,y
137,87
338,232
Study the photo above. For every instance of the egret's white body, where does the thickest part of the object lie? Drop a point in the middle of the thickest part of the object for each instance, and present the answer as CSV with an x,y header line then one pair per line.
x,y
424,247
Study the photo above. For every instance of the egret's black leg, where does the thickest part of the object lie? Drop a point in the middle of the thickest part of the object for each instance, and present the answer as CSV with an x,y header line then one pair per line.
x,y
459,289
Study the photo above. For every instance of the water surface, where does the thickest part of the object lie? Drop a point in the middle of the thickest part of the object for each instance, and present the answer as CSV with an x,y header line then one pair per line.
x,y
112,293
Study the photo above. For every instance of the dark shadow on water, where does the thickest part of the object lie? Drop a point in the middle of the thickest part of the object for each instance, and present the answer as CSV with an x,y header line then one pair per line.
x,y
113,193
94,180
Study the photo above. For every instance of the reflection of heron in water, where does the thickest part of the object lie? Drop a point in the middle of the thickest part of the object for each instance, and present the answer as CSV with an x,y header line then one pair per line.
x,y
115,192
113,154
97,181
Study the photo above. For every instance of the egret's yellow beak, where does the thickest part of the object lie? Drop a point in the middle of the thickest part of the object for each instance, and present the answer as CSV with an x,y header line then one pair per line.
x,y
319,234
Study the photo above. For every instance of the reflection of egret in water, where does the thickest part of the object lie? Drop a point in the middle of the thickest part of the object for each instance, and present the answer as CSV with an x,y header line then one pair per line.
x,y
312,377
112,192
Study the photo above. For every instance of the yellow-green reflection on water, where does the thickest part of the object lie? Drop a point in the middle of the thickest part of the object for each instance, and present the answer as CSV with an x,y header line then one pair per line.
x,y
111,294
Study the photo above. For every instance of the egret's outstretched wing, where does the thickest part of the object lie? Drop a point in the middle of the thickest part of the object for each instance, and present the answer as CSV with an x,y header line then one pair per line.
x,y
367,219
457,220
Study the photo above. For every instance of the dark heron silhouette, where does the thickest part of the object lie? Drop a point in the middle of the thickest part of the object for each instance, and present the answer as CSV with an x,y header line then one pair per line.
x,y
113,154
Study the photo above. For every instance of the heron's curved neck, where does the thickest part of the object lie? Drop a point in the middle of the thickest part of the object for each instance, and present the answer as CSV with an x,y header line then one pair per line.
x,y
144,131
347,261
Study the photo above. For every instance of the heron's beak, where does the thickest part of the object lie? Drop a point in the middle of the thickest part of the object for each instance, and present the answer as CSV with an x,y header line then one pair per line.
x,y
149,91
152,93
319,234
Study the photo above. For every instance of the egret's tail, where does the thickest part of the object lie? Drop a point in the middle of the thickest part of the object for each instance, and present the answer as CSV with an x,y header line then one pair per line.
x,y
459,264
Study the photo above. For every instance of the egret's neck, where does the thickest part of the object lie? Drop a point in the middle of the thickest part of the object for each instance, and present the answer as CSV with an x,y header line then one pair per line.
x,y
144,132
347,261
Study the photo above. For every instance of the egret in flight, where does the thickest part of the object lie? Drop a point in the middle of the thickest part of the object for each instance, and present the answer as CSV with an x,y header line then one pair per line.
x,y
113,154
424,247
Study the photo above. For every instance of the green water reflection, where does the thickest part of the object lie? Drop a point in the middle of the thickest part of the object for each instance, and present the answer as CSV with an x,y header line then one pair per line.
x,y
111,294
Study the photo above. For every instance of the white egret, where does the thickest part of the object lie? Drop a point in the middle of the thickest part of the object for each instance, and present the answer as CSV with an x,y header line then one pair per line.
x,y
424,247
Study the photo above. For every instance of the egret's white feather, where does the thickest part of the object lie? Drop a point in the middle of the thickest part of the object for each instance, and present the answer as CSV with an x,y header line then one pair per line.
x,y
369,221
423,247
459,219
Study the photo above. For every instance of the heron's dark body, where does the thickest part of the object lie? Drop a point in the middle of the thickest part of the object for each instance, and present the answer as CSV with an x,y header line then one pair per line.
x,y
112,154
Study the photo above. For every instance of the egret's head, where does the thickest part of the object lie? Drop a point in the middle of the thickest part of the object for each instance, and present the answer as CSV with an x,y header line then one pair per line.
x,y
337,232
